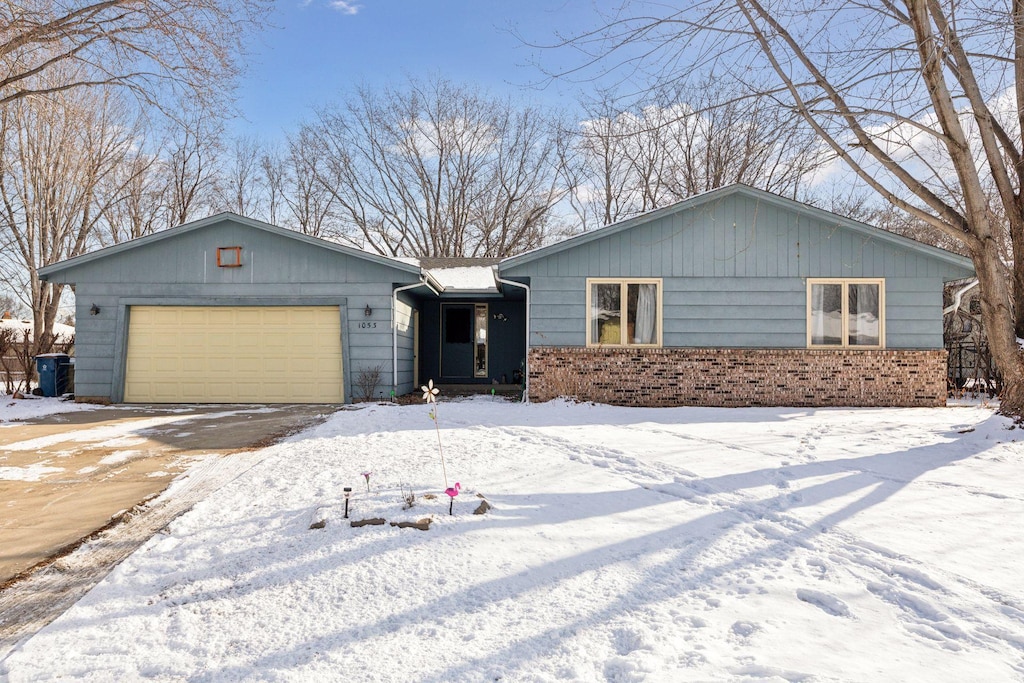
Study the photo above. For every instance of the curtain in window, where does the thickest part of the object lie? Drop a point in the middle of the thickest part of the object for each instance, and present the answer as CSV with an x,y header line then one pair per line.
x,y
817,314
606,313
864,313
827,314
646,314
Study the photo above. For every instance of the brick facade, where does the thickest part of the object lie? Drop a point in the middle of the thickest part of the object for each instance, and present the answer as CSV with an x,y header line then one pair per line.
x,y
740,377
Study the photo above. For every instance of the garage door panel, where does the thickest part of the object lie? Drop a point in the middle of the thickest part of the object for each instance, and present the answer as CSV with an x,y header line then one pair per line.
x,y
234,354
182,316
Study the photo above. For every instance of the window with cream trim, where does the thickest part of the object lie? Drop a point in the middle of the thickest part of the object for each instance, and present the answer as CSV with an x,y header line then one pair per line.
x,y
846,313
624,312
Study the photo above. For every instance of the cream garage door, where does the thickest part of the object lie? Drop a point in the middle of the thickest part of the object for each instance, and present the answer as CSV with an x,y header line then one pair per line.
x,y
234,354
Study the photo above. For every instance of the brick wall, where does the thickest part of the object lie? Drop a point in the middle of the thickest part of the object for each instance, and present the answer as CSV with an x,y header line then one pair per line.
x,y
740,377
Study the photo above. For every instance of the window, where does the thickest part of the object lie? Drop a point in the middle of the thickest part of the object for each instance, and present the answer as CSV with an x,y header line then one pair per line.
x,y
229,257
458,328
846,313
480,340
623,312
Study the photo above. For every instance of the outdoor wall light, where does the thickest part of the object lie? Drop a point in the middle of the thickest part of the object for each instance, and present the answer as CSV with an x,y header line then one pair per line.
x,y
348,492
94,310
367,311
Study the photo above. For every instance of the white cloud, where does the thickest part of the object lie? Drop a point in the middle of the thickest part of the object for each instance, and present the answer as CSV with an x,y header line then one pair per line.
x,y
345,6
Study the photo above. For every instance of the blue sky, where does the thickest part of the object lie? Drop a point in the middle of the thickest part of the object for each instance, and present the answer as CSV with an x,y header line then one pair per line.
x,y
317,49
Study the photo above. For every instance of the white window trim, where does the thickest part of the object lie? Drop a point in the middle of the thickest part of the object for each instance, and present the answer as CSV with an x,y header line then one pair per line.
x,y
845,282
623,283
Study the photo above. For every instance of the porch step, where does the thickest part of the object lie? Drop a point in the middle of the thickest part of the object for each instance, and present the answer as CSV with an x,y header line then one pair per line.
x,y
449,391
474,389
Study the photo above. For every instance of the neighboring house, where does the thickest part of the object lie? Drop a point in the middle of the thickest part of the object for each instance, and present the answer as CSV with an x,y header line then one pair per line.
x,y
23,329
732,297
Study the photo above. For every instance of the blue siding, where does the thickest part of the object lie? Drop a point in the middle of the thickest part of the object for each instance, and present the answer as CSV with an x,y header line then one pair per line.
x,y
734,272
183,269
406,335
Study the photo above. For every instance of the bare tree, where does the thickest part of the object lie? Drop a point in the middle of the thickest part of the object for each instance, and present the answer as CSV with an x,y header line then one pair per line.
x,y
922,100
311,203
135,197
242,178
683,141
595,165
56,153
435,169
192,159
158,49
275,181
68,163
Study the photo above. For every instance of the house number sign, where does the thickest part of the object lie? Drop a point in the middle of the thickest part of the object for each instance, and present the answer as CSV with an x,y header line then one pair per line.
x,y
367,325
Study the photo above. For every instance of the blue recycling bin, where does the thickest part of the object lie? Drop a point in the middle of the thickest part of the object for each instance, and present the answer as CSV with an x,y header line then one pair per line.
x,y
53,370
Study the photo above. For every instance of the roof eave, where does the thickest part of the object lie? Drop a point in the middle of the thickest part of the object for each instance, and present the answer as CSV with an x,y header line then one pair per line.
x,y
46,271
451,292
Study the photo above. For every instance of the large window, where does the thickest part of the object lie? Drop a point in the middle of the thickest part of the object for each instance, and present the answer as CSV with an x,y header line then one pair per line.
x,y
846,313
623,312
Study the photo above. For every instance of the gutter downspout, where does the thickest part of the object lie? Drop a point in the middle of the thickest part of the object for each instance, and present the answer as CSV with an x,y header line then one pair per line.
x,y
394,326
526,370
958,297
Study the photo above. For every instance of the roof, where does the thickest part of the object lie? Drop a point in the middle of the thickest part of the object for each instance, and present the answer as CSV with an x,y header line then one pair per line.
x,y
720,193
465,278
61,331
49,270
469,262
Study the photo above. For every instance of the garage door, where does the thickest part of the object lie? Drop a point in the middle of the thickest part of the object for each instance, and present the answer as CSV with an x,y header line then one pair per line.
x,y
223,354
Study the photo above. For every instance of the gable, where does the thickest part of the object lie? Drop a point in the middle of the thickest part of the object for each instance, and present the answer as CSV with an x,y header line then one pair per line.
x,y
739,232
270,255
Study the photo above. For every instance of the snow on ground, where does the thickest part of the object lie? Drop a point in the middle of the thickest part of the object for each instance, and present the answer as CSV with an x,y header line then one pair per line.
x,y
14,409
624,545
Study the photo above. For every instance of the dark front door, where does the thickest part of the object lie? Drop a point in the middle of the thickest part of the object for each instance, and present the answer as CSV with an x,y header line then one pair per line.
x,y
456,341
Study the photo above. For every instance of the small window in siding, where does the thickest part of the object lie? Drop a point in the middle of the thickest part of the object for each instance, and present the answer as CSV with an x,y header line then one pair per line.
x,y
229,257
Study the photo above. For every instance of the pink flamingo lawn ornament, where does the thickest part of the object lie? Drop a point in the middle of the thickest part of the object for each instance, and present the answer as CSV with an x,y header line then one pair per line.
x,y
452,491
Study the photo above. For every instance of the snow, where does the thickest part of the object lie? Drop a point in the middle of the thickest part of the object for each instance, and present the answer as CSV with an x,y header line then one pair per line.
x,y
33,472
18,409
61,331
470,278
623,545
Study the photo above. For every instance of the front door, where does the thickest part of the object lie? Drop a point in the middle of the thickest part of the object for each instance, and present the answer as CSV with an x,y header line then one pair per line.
x,y
464,344
456,341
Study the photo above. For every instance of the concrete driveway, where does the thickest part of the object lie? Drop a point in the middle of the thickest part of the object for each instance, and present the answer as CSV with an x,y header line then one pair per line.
x,y
65,476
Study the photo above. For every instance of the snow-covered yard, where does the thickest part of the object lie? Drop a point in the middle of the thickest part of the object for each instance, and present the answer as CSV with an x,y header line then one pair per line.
x,y
624,544
12,409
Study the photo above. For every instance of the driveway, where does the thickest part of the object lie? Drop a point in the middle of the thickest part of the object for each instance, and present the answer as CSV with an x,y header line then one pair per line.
x,y
65,476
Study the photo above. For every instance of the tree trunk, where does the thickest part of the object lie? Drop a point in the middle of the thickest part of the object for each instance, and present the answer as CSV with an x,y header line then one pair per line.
x,y
998,317
1017,240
